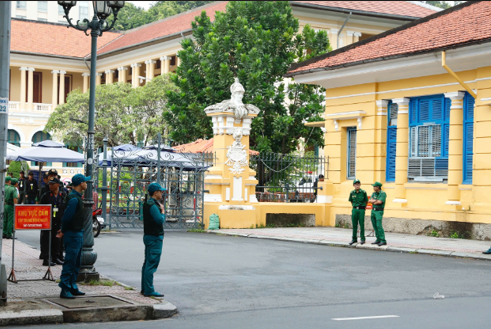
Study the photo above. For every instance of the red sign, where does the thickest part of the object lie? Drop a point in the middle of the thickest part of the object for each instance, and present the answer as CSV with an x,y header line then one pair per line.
x,y
33,217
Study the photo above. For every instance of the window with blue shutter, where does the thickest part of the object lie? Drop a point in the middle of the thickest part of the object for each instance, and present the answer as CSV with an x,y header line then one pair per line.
x,y
468,152
390,171
428,138
351,161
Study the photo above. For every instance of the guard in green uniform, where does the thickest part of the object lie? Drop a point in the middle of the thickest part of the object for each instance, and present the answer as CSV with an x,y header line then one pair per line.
x,y
153,238
378,200
10,200
358,199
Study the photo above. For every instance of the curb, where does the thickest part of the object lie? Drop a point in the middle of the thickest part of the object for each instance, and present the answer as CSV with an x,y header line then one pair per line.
x,y
433,252
31,317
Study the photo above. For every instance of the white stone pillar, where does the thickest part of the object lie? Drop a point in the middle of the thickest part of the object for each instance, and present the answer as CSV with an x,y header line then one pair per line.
x,y
178,61
23,87
165,65
334,39
109,76
356,36
402,149
123,70
350,37
86,82
54,97
135,72
30,88
62,87
150,69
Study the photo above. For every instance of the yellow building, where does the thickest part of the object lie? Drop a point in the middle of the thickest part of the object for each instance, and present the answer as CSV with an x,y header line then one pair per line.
x,y
49,60
396,115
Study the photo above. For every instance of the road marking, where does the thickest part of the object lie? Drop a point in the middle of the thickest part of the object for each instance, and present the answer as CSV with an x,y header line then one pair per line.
x,y
366,317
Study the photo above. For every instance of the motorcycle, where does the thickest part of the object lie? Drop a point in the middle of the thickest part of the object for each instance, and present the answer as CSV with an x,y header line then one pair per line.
x,y
97,222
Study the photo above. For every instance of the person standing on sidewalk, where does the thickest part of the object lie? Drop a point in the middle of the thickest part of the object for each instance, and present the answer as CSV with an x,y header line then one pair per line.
x,y
358,199
22,187
378,200
10,200
153,238
55,198
31,189
72,225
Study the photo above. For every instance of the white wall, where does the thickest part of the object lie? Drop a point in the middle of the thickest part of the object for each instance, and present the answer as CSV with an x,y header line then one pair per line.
x,y
52,15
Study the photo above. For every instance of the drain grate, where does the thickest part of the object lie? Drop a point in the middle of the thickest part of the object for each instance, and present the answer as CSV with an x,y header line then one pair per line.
x,y
89,301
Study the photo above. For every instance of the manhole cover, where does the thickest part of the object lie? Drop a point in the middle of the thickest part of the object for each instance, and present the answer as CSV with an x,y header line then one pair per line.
x,y
89,301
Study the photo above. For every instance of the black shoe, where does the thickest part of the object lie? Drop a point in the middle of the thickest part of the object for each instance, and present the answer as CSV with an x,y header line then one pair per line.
x,y
362,242
376,242
352,242
382,244
46,263
58,262
77,293
42,256
488,252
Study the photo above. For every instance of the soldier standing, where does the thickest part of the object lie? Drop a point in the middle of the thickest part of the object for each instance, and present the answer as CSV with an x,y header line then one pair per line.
x,y
358,199
31,189
10,200
22,187
378,200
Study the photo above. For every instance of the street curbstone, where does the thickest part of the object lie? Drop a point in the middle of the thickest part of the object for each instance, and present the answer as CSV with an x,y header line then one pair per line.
x,y
469,255
29,317
402,249
434,252
165,310
371,246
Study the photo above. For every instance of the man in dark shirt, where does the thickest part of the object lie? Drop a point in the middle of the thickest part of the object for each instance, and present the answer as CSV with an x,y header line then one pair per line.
x,y
44,235
72,225
22,187
153,238
55,198
31,189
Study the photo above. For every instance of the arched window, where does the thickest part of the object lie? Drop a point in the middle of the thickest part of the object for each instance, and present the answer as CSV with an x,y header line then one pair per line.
x,y
13,137
39,137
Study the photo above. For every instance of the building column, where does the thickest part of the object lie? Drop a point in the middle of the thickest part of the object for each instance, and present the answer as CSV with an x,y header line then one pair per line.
x,y
122,74
402,149
98,79
381,140
165,65
356,36
455,147
30,88
350,37
86,82
135,72
23,87
54,97
62,88
109,77
333,39
178,61
150,69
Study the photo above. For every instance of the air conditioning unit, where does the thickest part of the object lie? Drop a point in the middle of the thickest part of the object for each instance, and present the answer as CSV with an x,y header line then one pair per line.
x,y
427,169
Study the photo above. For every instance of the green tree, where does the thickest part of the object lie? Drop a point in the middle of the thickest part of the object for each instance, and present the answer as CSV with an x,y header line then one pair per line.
x,y
124,114
16,166
256,42
442,4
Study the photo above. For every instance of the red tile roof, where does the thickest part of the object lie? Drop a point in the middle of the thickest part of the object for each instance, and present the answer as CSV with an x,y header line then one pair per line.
x,y
166,27
53,39
201,146
396,8
461,25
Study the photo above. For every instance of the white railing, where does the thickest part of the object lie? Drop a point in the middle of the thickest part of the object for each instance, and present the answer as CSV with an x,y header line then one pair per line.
x,y
14,105
42,107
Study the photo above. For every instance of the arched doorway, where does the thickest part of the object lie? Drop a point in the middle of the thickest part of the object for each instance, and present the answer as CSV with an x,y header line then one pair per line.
x,y
13,137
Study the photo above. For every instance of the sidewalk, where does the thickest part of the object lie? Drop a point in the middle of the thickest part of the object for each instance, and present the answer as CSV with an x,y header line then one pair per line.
x,y
35,302
339,237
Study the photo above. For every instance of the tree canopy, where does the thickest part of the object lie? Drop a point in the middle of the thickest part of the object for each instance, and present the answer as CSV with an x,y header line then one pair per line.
x,y
442,4
124,114
256,42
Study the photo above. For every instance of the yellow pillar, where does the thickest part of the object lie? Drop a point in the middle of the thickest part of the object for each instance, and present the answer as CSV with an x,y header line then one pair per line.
x,y
455,147
178,61
402,149
380,140
62,88
109,77
98,78
30,88
356,36
135,72
23,88
86,82
150,69
350,37
122,74
165,64
333,40
54,97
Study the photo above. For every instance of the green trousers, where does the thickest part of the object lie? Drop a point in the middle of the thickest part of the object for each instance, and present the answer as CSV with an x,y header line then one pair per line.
x,y
358,216
8,221
153,251
377,225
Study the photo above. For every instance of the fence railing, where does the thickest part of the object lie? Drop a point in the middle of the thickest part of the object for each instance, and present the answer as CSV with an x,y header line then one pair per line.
x,y
288,177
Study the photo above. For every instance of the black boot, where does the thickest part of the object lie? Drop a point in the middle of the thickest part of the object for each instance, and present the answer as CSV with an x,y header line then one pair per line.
x,y
352,242
47,263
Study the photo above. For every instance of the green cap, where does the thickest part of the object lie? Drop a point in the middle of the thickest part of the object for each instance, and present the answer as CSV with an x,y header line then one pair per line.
x,y
8,178
356,181
14,181
377,184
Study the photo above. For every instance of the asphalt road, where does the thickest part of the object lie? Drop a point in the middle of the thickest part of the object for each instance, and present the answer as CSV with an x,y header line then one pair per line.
x,y
232,282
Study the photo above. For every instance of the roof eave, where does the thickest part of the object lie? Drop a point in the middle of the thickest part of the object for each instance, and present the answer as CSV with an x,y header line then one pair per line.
x,y
45,55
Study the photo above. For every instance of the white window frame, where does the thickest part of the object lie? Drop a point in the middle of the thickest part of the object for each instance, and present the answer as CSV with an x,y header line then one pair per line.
x,y
39,7
414,151
18,3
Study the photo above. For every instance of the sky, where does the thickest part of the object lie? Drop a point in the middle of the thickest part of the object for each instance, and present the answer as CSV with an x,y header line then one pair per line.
x,y
144,4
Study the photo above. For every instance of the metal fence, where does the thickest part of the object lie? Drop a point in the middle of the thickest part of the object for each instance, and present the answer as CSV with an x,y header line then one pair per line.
x,y
287,177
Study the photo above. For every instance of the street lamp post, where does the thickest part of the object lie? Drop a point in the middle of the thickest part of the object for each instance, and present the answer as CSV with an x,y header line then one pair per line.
x,y
98,25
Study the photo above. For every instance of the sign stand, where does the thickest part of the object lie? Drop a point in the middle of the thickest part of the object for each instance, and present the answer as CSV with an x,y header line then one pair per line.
x,y
49,275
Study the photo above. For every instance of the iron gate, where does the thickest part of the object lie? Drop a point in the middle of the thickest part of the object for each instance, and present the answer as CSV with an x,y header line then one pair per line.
x,y
181,174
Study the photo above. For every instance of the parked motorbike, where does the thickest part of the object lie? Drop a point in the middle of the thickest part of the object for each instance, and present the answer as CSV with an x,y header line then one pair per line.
x,y
97,222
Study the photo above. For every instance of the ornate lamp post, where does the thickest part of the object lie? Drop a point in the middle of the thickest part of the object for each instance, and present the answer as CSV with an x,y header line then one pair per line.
x,y
98,25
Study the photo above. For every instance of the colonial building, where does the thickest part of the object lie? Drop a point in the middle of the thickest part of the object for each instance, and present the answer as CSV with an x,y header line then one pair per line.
x,y
410,108
49,60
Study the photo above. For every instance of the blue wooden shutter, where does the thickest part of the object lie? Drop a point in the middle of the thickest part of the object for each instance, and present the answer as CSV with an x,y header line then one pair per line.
x,y
391,154
424,110
437,109
468,138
